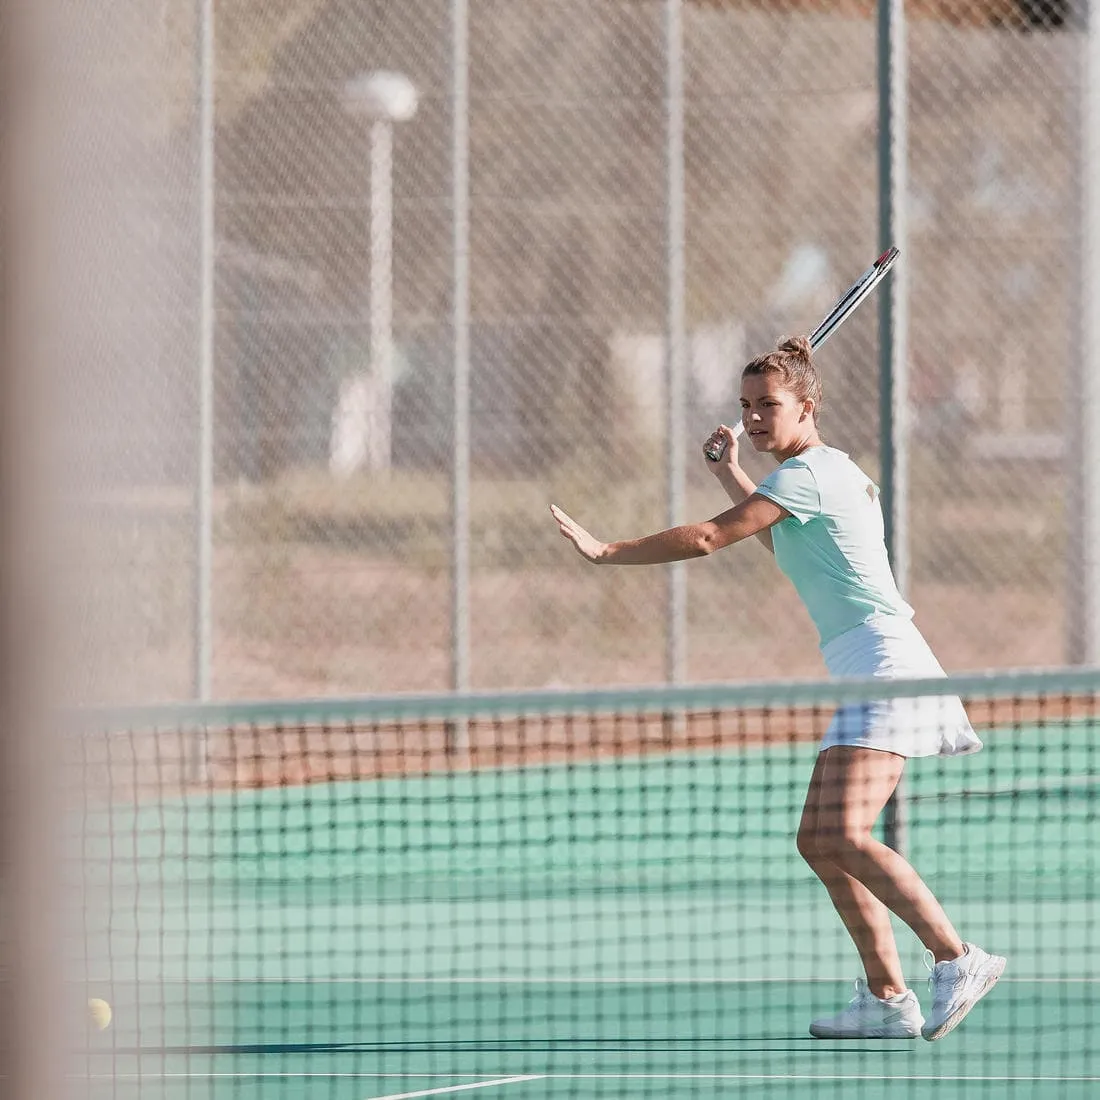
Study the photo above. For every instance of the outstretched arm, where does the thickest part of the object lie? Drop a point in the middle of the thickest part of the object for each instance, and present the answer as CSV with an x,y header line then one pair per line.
x,y
733,479
691,540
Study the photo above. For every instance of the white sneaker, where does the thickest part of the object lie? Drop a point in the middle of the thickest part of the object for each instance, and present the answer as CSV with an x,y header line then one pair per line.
x,y
868,1017
957,986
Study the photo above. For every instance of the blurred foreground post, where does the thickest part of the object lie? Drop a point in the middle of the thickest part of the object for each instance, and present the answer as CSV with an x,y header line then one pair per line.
x,y
31,937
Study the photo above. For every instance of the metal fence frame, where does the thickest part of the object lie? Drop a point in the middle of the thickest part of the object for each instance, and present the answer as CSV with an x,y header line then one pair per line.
x,y
1083,643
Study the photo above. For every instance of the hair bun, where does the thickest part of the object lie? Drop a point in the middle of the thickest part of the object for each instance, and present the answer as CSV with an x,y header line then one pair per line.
x,y
796,345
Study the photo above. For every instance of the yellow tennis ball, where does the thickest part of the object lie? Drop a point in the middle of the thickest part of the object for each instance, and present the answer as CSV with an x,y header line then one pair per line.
x,y
100,1013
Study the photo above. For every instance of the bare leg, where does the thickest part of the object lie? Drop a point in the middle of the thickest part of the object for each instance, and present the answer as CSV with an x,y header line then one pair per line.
x,y
865,879
865,917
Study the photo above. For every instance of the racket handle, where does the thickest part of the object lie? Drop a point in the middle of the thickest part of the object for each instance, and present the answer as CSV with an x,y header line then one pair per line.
x,y
716,450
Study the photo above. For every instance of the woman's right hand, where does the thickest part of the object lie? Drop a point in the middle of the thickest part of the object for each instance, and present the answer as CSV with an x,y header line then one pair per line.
x,y
722,435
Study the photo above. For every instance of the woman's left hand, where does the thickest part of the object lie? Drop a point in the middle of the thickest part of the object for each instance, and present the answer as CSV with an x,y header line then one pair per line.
x,y
589,547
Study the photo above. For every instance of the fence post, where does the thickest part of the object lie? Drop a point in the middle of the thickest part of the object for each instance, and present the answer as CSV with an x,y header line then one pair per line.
x,y
893,367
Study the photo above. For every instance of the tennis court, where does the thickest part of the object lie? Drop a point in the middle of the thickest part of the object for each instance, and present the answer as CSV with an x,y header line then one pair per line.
x,y
597,925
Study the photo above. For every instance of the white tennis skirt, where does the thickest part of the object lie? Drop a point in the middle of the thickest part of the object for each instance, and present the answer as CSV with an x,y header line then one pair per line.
x,y
889,647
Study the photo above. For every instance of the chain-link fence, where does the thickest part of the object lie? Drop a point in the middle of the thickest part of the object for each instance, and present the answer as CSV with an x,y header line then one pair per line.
x,y
391,211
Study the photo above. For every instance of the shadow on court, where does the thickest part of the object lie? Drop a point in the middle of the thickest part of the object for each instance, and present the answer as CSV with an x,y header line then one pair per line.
x,y
359,1041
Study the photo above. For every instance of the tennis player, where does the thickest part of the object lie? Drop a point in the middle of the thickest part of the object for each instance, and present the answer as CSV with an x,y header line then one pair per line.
x,y
821,517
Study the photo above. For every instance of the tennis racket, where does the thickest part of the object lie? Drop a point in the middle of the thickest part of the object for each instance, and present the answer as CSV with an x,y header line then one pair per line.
x,y
849,301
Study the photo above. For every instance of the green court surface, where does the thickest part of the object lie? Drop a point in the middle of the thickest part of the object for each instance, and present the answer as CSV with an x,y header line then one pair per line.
x,y
359,1040
633,927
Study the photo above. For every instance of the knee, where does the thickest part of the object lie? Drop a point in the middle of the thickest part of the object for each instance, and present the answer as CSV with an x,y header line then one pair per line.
x,y
807,844
834,844
838,845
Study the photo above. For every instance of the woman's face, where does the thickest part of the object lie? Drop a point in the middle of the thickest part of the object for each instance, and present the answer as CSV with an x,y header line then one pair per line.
x,y
775,421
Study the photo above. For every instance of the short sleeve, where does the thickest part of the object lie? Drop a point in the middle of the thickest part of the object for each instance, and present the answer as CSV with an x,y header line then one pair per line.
x,y
794,487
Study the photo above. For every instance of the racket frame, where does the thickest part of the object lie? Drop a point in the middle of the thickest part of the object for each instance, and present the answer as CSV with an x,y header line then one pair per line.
x,y
846,305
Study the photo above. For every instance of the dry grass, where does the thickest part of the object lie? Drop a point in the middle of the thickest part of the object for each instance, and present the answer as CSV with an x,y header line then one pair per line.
x,y
327,590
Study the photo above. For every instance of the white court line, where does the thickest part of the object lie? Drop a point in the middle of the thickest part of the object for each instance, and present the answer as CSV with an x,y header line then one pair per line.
x,y
458,1088
1047,1078
798,1077
539,980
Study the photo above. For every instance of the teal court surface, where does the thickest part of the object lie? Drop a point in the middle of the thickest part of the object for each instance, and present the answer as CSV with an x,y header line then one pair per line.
x,y
615,928
1026,1039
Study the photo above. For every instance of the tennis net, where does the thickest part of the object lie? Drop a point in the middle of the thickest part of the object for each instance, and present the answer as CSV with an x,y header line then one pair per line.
x,y
589,893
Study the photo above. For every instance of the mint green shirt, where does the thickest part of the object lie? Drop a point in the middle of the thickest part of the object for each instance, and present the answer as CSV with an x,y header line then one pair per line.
x,y
832,547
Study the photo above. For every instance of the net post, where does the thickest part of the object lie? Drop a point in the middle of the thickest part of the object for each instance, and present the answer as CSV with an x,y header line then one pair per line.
x,y
673,727
456,733
198,757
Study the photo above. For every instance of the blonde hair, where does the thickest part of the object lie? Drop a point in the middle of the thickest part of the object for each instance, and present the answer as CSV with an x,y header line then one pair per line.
x,y
792,361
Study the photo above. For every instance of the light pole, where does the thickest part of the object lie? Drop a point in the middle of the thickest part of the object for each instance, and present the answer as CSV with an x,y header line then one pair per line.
x,y
362,428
